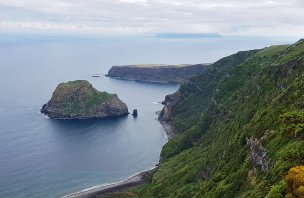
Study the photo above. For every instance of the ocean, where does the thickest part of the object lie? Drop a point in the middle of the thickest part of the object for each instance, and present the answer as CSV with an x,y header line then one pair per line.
x,y
41,157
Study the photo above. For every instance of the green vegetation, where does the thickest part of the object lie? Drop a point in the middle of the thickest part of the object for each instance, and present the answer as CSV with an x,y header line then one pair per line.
x,y
258,94
272,50
87,104
80,97
293,123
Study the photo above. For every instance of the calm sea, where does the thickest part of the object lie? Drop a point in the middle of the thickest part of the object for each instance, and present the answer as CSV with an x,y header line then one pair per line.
x,y
40,157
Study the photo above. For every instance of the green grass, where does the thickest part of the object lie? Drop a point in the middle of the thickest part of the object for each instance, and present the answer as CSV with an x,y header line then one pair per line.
x,y
74,83
85,97
272,50
249,94
88,104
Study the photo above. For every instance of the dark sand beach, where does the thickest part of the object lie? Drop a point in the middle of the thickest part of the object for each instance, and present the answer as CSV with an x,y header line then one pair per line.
x,y
133,181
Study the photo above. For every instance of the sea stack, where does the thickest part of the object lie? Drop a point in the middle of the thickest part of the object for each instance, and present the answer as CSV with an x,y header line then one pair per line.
x,y
134,113
80,100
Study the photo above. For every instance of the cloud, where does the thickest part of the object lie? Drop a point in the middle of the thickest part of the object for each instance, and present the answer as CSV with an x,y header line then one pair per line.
x,y
233,17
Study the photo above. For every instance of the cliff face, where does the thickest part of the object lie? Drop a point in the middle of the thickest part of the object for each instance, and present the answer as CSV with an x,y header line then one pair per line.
x,y
157,73
79,100
170,100
239,128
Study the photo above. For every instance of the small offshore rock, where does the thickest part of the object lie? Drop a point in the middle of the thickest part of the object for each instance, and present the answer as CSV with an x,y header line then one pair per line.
x,y
134,113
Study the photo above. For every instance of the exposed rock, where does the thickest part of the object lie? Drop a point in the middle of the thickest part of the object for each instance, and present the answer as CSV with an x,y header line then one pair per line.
x,y
204,174
79,100
170,100
165,113
258,155
219,111
178,74
134,113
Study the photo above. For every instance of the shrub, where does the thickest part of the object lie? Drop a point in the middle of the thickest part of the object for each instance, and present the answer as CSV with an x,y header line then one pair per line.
x,y
293,123
295,182
277,190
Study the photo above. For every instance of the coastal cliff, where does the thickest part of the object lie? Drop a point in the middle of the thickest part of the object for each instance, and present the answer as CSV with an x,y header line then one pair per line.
x,y
79,100
238,129
178,74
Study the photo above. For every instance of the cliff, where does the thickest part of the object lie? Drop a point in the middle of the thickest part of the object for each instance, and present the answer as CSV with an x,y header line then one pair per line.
x,y
239,129
79,100
178,74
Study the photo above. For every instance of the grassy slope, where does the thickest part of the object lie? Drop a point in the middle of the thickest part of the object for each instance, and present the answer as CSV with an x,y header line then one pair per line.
x,y
87,100
209,157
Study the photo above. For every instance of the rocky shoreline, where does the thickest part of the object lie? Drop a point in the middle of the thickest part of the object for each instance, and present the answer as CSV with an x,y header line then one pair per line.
x,y
170,131
143,81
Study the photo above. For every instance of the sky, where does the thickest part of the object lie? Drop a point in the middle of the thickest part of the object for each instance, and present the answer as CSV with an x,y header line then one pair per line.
x,y
149,17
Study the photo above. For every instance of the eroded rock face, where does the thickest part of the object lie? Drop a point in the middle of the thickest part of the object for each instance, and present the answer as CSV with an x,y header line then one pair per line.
x,y
170,100
79,100
258,155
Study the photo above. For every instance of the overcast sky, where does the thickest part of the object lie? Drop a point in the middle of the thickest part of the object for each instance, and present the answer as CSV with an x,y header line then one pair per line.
x,y
148,17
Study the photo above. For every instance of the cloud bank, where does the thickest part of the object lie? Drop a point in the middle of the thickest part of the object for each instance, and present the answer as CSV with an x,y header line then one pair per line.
x,y
125,17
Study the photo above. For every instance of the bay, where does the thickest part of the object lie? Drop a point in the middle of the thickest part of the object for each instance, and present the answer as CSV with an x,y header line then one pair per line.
x,y
40,157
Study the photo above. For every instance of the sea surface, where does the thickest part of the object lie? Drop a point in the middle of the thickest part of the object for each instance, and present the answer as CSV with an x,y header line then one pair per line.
x,y
41,157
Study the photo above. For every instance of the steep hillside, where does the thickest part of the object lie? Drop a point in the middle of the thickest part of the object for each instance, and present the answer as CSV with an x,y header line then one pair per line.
x,y
157,73
240,128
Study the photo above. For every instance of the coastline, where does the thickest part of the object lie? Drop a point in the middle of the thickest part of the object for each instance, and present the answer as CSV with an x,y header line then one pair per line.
x,y
168,129
143,81
133,181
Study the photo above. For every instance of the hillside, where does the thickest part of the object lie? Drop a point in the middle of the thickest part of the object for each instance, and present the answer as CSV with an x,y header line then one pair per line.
x,y
78,100
178,74
239,130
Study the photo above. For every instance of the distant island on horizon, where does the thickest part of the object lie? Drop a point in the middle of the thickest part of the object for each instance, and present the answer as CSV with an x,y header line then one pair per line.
x,y
188,35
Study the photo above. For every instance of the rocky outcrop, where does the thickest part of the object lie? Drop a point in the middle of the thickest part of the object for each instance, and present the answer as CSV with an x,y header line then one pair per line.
x,y
170,100
79,100
178,74
134,113
258,155
165,114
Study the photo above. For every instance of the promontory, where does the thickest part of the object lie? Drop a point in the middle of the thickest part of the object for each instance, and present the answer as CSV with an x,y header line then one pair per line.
x,y
80,100
178,74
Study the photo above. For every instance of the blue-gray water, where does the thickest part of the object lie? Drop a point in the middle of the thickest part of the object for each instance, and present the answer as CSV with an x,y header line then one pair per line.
x,y
40,157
